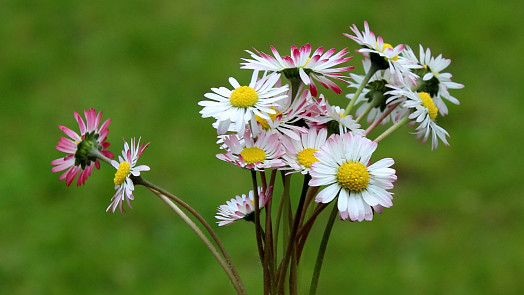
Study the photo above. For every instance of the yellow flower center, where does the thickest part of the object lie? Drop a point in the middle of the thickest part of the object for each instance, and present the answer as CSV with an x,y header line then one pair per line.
x,y
253,155
243,97
265,122
306,158
428,103
122,172
387,45
353,176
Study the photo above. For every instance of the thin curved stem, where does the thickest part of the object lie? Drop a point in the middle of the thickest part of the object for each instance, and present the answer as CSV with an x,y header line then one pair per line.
x,y
392,129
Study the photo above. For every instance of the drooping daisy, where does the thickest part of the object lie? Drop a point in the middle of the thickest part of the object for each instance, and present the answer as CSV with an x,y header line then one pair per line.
x,y
424,112
334,119
384,55
241,207
125,168
240,105
83,148
300,153
300,65
434,82
263,152
343,165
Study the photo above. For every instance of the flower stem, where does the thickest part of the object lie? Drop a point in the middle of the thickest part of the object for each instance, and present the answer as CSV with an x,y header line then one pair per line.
x,y
97,154
392,129
258,231
322,251
372,70
379,119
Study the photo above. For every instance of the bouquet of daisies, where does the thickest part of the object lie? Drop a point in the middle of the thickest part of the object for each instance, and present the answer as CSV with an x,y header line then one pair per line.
x,y
279,125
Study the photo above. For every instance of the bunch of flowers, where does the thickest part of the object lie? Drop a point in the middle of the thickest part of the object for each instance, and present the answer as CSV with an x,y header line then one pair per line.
x,y
279,123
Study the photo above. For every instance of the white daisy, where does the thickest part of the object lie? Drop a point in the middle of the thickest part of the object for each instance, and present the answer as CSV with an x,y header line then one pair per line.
x,y
126,167
241,207
240,105
434,82
343,165
334,119
300,153
301,65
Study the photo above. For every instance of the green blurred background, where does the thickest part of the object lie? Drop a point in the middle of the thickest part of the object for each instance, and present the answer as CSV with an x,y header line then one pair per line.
x,y
457,223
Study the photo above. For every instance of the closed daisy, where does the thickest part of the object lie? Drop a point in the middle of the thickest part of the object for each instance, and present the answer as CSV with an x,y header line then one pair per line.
x,y
241,207
240,105
125,168
343,165
301,65
84,149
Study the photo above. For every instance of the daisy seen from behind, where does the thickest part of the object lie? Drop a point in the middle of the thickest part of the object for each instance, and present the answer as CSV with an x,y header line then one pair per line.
x,y
125,168
84,149
240,105
241,207
343,165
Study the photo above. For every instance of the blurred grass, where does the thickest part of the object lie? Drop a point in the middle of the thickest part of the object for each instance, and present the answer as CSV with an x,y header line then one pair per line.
x,y
457,224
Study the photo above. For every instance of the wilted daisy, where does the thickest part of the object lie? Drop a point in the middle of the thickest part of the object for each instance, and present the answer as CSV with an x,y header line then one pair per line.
x,y
263,152
334,119
424,112
125,168
241,207
384,55
343,165
300,153
434,82
240,105
300,65
83,148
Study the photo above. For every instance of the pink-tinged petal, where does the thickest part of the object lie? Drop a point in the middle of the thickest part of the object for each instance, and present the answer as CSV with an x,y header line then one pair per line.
x,y
81,123
70,133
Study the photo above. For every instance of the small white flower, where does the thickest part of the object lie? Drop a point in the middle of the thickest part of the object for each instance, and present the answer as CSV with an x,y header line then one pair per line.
x,y
241,207
300,153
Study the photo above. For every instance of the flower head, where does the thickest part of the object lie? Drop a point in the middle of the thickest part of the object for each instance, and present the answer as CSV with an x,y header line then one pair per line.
x,y
301,65
125,168
300,153
241,207
334,119
82,149
343,165
240,105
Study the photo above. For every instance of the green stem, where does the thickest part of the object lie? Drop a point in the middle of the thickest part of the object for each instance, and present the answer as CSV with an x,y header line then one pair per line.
x,y
322,251
392,129
373,103
379,119
286,179
372,70
97,154
258,232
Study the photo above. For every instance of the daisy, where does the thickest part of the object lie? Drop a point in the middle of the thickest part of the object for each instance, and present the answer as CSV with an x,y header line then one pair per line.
x,y
384,55
82,149
343,165
263,152
301,65
125,169
434,82
424,112
300,153
240,105
334,119
241,207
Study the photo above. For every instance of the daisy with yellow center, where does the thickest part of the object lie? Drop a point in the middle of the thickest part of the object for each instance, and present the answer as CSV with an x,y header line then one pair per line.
x,y
237,108
343,166
264,152
125,168
241,207
300,154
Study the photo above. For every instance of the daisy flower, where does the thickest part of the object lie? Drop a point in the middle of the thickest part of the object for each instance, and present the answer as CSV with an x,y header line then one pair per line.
x,y
384,55
263,152
301,65
240,105
343,165
434,82
334,119
125,168
300,153
424,112
82,149
241,207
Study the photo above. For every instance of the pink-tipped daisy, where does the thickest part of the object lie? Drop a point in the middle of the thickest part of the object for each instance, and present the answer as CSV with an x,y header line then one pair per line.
x,y
434,82
240,105
301,65
82,149
300,153
241,207
343,165
264,152
384,55
125,168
